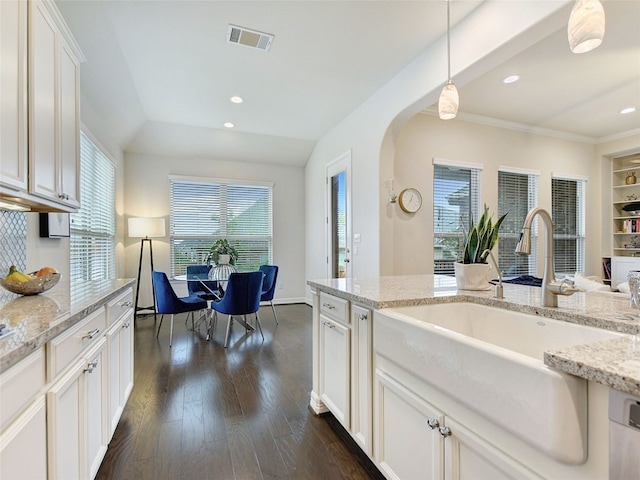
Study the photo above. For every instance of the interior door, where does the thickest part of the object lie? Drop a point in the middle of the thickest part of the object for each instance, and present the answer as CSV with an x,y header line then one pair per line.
x,y
339,217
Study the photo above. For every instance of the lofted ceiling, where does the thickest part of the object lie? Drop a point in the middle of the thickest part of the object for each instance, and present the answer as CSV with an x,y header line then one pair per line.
x,y
159,74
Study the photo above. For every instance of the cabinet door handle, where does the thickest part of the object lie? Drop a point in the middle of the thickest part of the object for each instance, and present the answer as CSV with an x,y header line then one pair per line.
x,y
330,325
362,316
445,432
126,304
126,324
91,366
329,306
92,334
433,423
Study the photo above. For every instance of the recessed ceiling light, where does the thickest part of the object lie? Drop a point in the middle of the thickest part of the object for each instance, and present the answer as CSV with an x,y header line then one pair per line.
x,y
236,99
511,79
229,124
624,111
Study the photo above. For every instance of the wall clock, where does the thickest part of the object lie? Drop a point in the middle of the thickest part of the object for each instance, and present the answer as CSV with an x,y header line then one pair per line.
x,y
410,200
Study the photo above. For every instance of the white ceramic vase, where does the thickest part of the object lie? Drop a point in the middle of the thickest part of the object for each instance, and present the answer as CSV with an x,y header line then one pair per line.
x,y
472,276
224,259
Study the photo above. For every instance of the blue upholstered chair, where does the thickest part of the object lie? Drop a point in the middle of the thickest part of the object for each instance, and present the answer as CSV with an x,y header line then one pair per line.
x,y
168,302
241,298
269,286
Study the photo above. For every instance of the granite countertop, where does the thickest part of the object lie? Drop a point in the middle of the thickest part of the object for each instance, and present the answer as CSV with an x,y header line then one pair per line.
x,y
615,363
37,319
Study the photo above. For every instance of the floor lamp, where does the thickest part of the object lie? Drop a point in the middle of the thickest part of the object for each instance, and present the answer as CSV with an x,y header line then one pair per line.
x,y
146,229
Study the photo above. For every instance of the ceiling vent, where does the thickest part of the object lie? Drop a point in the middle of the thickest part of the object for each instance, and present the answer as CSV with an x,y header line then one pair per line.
x,y
249,38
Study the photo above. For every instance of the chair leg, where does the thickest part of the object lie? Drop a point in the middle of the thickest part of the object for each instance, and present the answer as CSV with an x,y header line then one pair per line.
x,y
226,338
259,325
274,312
159,325
171,331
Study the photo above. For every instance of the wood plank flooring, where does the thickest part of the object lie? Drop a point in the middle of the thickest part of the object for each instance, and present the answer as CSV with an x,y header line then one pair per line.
x,y
200,411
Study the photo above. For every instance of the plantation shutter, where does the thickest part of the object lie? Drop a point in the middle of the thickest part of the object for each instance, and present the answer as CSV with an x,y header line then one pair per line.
x,y
203,211
517,194
93,226
456,200
567,197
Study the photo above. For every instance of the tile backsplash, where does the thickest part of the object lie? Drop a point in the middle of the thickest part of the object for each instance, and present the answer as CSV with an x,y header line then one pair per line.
x,y
13,244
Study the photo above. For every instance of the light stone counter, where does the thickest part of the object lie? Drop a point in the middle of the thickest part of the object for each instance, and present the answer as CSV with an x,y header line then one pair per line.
x,y
39,318
615,363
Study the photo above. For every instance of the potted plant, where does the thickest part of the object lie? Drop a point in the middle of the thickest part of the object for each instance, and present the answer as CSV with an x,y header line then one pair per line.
x,y
222,253
471,272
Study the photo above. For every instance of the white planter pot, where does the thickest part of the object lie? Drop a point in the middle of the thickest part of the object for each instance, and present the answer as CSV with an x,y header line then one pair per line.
x,y
472,276
224,259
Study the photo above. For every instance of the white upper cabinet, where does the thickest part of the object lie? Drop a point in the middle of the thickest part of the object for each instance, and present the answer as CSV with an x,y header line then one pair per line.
x,y
40,122
13,94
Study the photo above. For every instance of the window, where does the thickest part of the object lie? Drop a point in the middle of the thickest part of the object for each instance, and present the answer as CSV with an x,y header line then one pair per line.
x,y
93,226
517,194
567,197
456,194
204,211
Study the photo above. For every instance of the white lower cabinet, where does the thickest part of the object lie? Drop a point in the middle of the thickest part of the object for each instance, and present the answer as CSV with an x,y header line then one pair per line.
x,y
414,439
335,368
77,417
23,445
361,374
120,375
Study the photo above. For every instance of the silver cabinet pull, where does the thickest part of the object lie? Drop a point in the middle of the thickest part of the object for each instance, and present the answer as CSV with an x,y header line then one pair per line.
x,y
329,306
363,316
445,432
92,334
433,423
126,324
91,366
126,304
330,325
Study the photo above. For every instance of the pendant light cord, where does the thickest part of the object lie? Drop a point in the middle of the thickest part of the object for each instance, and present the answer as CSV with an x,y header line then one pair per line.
x,y
449,40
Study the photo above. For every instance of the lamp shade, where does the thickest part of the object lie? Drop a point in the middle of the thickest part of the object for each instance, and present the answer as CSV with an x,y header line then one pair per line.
x,y
146,227
586,26
448,102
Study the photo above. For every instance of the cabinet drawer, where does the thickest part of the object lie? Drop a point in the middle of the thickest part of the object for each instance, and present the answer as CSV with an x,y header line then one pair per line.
x,y
19,385
68,345
119,306
334,307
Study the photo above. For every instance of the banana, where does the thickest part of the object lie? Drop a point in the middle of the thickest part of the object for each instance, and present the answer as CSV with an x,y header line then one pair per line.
x,y
17,276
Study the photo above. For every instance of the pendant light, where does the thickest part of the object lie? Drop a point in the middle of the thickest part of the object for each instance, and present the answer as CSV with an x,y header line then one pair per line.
x,y
448,102
586,26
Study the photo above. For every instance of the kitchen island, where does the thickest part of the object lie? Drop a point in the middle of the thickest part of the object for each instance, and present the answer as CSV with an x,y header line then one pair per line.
x,y
371,393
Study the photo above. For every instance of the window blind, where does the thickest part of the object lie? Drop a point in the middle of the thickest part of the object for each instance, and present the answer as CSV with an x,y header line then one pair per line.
x,y
568,212
456,194
517,194
203,212
93,226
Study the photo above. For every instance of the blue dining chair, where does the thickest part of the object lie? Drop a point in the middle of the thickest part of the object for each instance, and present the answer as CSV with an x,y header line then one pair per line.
x,y
241,298
269,286
167,302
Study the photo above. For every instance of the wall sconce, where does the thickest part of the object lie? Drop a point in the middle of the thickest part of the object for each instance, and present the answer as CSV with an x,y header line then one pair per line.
x,y
392,196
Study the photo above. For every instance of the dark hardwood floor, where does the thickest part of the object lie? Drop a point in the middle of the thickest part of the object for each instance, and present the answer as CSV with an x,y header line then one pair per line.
x,y
200,411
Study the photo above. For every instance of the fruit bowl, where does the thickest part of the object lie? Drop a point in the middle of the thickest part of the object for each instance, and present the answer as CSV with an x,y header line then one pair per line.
x,y
32,287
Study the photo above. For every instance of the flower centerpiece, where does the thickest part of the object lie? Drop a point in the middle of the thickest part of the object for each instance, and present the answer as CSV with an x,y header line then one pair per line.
x,y
471,272
222,253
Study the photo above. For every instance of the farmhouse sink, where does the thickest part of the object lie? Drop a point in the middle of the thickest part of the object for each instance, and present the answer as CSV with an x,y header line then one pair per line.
x,y
491,360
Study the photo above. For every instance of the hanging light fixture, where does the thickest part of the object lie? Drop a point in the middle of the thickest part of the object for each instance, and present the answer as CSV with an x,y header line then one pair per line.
x,y
586,26
448,102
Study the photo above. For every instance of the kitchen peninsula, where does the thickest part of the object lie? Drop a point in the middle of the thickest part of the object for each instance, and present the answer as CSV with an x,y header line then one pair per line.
x,y
384,404
66,372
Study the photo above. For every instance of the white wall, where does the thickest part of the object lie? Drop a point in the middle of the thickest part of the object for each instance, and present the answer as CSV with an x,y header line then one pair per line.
x,y
425,137
147,195
507,27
